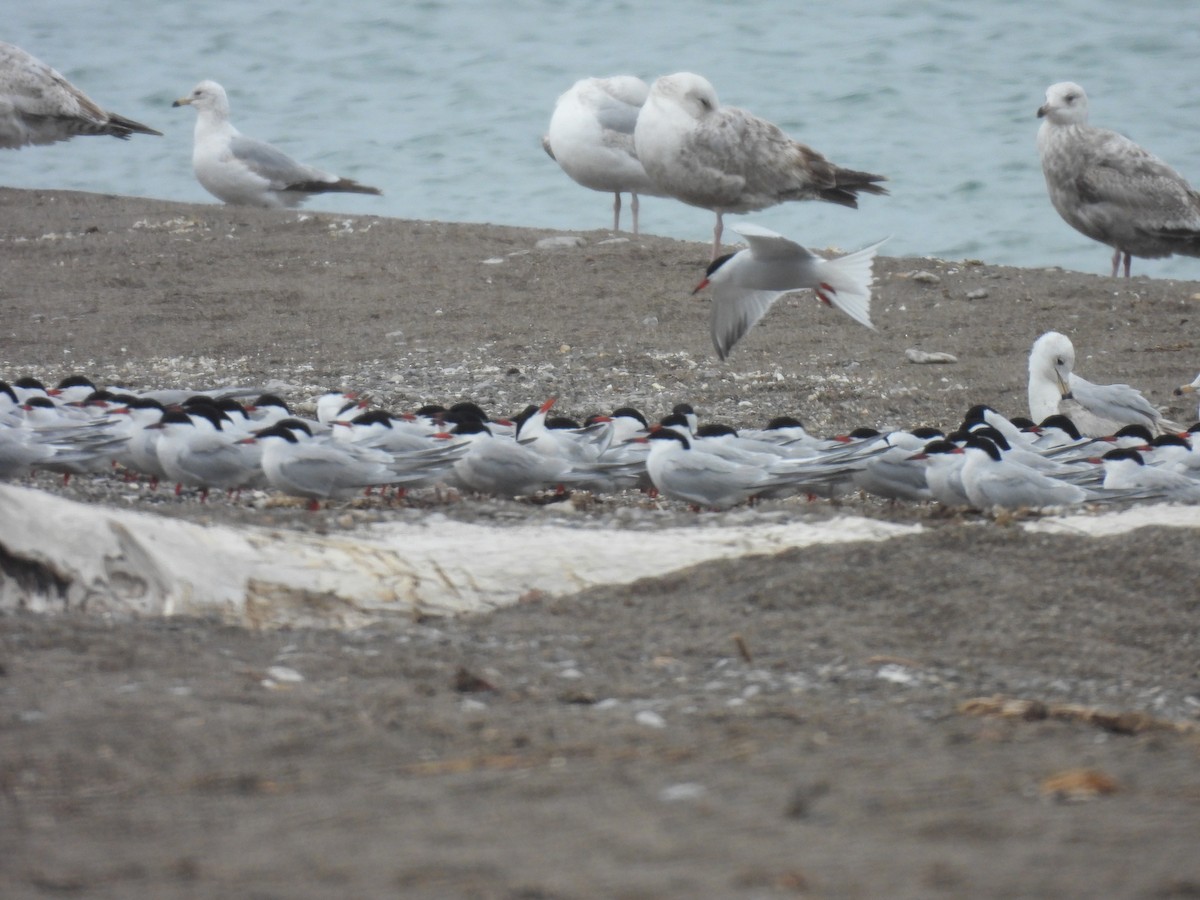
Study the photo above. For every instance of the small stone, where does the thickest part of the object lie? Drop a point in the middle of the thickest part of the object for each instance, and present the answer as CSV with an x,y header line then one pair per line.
x,y
924,357
560,242
895,674
977,294
284,675
687,790
650,719
924,277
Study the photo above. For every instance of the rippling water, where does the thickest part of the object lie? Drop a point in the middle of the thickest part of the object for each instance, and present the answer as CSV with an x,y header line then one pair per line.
x,y
442,105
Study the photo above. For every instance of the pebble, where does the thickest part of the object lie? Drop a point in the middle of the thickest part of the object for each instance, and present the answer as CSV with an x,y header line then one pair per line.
x,y
686,790
560,242
924,357
284,675
977,294
924,277
650,719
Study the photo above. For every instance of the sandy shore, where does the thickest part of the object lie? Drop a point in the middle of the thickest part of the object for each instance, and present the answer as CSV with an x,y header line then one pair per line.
x,y
785,725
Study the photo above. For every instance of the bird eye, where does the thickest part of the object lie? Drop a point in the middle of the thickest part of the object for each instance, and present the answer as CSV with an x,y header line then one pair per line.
x,y
1059,362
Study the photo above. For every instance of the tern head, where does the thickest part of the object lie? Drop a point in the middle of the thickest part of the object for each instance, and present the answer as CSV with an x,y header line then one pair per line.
x,y
1132,433
279,431
974,442
1063,423
1171,440
207,96
939,449
711,271
659,436
1124,454
1066,104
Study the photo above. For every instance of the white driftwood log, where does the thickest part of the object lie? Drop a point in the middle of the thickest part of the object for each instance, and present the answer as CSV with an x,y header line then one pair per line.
x,y
56,554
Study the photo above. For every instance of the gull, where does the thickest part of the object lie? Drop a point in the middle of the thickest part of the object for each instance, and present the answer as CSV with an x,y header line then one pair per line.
x,y
39,106
747,283
727,160
1097,410
591,138
244,172
1110,189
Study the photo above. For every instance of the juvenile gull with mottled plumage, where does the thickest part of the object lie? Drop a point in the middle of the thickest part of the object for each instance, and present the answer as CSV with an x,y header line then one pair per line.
x,y
39,106
1110,189
726,159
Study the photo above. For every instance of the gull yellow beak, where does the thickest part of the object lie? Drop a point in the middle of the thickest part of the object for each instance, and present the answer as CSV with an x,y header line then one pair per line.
x,y
182,101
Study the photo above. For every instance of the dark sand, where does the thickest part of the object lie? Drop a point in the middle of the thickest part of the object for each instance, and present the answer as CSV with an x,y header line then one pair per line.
x,y
615,743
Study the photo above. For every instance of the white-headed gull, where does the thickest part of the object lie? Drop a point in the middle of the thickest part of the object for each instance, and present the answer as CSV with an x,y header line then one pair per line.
x,y
591,138
245,172
1097,410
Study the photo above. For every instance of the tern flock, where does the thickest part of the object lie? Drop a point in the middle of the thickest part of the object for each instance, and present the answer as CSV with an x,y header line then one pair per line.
x,y
234,438
671,138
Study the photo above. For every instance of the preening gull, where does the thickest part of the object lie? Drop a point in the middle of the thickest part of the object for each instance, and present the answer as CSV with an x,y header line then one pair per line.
x,y
1107,187
591,138
747,283
245,172
39,106
725,159
1098,410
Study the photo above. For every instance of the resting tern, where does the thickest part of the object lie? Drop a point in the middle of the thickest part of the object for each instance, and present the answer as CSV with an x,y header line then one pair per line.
x,y
680,471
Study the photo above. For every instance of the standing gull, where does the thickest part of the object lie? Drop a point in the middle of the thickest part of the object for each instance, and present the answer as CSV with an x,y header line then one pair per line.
x,y
1110,189
245,172
591,138
39,106
725,159
1097,410
747,283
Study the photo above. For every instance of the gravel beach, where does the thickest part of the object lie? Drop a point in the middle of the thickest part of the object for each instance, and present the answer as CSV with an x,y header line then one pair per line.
x,y
984,708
